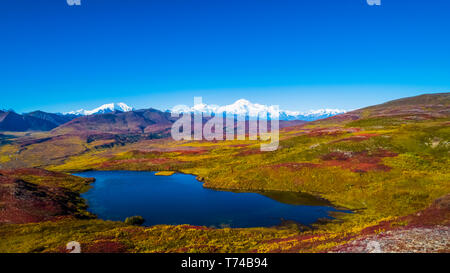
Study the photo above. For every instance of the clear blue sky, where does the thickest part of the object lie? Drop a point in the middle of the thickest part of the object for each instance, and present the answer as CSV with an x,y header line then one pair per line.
x,y
300,54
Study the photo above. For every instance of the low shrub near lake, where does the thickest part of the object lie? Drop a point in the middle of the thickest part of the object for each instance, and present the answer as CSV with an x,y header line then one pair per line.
x,y
135,220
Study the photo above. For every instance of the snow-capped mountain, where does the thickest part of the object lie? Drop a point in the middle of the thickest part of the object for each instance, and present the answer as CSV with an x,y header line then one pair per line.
x,y
310,115
244,108
105,108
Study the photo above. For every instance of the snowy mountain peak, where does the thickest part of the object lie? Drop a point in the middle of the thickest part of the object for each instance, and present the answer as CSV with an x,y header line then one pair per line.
x,y
243,107
105,108
242,102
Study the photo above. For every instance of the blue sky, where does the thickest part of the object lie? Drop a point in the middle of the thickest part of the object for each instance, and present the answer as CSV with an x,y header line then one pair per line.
x,y
297,54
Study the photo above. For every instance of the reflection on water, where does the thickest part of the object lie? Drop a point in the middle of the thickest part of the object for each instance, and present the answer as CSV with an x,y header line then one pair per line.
x,y
295,198
181,199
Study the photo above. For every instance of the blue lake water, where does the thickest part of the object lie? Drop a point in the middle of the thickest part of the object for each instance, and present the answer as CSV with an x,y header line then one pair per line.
x,y
181,199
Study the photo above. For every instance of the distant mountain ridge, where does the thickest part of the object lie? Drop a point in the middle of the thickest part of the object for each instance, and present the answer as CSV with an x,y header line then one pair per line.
x,y
105,108
135,122
124,118
34,121
244,107
241,107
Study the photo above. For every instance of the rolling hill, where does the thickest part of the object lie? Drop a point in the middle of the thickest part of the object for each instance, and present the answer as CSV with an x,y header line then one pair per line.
x,y
386,163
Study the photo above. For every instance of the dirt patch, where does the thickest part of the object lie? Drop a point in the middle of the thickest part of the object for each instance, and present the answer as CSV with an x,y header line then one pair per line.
x,y
153,161
437,214
331,131
358,138
105,246
295,166
442,203
358,162
425,231
250,152
191,152
413,240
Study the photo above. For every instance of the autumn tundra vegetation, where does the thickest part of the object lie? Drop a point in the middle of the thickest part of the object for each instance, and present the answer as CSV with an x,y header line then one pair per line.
x,y
386,163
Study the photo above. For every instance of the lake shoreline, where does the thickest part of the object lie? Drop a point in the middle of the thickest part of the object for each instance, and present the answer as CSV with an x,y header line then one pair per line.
x,y
276,199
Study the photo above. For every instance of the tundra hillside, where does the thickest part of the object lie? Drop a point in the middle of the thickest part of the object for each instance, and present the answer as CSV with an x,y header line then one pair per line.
x,y
387,163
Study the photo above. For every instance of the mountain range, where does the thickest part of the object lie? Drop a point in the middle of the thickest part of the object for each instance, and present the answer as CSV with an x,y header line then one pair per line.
x,y
34,121
246,108
240,107
139,120
105,108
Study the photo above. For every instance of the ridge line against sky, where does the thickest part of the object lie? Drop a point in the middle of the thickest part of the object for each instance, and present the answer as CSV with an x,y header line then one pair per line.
x,y
304,106
300,54
239,106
